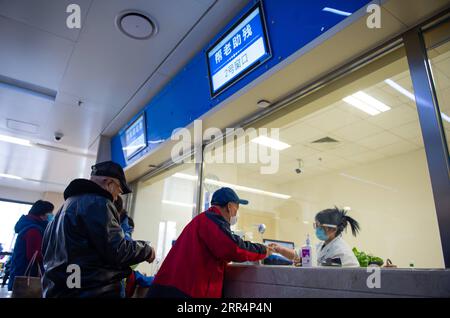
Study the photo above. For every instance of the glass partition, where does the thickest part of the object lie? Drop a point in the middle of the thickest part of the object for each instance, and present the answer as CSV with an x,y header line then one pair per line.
x,y
438,41
357,145
164,206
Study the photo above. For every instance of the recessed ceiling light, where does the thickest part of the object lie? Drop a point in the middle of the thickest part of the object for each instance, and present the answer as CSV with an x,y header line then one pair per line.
x,y
270,142
136,25
366,103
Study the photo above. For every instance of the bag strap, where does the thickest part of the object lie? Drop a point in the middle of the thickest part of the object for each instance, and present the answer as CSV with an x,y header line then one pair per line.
x,y
30,266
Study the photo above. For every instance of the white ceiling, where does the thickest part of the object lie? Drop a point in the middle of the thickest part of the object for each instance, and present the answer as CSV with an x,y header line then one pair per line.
x,y
114,76
361,138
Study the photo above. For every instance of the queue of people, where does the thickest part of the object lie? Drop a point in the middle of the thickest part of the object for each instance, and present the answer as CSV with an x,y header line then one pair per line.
x,y
90,242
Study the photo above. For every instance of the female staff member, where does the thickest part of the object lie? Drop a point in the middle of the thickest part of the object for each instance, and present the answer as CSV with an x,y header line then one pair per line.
x,y
329,225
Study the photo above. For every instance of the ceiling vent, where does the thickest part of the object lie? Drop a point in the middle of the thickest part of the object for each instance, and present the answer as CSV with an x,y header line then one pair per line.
x,y
325,140
136,25
22,126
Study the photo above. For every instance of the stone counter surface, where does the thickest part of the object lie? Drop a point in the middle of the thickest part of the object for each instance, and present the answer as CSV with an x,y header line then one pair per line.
x,y
247,281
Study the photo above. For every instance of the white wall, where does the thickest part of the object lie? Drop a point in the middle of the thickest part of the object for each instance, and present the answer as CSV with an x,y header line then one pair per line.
x,y
19,194
394,206
150,210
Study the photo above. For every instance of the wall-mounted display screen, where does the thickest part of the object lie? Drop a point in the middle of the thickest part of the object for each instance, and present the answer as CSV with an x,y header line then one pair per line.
x,y
135,138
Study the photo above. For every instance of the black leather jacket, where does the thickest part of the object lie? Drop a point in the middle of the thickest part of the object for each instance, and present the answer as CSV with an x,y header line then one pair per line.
x,y
86,232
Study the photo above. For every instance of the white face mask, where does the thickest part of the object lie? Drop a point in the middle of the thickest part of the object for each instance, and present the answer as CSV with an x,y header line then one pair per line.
x,y
233,220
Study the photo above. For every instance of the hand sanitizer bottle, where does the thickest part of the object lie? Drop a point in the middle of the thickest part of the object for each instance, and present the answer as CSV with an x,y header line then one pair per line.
x,y
306,253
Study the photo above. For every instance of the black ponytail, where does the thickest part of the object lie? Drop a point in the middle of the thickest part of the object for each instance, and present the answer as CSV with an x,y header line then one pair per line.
x,y
339,218
354,225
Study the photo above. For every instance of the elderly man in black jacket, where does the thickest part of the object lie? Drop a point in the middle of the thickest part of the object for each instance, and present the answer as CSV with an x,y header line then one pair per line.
x,y
86,239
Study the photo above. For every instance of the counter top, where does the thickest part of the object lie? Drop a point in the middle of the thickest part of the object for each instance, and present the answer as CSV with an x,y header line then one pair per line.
x,y
260,281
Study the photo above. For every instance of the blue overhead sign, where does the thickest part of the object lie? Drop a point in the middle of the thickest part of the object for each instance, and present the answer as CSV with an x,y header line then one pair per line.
x,y
241,49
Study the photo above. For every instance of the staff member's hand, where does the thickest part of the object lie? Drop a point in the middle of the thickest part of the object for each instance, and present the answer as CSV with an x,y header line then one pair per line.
x,y
274,247
151,258
269,250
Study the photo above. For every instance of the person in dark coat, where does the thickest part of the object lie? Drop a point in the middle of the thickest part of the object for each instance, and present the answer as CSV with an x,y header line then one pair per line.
x,y
85,250
30,230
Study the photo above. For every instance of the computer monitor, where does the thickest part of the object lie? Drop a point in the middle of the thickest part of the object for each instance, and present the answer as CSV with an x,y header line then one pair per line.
x,y
275,258
287,244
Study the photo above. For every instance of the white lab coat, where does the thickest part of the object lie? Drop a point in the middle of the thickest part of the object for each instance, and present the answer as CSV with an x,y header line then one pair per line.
x,y
337,248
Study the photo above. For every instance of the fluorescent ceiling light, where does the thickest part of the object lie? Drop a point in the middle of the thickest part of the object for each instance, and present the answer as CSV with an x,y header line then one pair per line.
x,y
185,176
336,11
233,186
186,205
400,89
270,142
10,176
361,105
366,103
410,95
445,117
27,88
375,103
247,189
14,140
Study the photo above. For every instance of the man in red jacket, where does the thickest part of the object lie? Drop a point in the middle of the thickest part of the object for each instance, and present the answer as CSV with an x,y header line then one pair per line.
x,y
196,263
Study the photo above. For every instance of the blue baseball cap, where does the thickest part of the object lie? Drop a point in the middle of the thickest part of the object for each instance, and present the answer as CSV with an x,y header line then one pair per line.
x,y
224,195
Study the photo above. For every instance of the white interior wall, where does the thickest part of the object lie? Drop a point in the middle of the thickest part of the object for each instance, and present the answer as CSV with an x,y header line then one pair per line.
x,y
394,205
21,195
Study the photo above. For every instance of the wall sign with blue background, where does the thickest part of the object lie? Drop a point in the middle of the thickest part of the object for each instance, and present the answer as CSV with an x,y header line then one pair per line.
x,y
291,24
241,49
135,137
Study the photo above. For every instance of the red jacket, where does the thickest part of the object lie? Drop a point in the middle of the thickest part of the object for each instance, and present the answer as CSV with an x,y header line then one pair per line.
x,y
196,263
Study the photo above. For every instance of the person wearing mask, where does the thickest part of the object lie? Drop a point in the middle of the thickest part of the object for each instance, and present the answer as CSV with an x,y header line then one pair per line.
x,y
30,230
87,233
196,263
333,250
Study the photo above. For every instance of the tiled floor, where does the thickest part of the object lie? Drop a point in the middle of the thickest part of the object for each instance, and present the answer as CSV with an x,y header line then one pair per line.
x,y
4,293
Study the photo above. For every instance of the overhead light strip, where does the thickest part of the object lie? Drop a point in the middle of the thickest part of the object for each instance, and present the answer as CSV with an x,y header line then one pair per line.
x,y
14,140
10,176
233,186
410,95
336,11
270,142
182,204
367,103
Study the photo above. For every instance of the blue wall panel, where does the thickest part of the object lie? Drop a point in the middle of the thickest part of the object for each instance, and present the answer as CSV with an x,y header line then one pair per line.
x,y
291,25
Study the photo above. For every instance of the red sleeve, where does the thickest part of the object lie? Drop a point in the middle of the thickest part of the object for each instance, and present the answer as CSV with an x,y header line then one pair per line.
x,y
33,241
227,246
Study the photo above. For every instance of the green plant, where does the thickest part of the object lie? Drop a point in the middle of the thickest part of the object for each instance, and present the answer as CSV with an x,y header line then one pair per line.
x,y
366,259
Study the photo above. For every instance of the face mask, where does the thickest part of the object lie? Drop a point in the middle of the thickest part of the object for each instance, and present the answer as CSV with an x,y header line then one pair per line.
x,y
233,220
50,217
321,235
